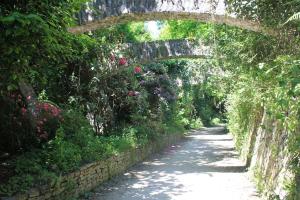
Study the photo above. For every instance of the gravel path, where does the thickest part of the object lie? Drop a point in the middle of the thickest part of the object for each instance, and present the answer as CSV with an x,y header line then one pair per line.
x,y
204,166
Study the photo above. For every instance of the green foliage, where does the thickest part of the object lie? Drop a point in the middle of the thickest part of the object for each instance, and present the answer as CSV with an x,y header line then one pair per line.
x,y
241,107
266,11
76,144
187,29
107,110
30,169
123,140
64,155
122,33
113,109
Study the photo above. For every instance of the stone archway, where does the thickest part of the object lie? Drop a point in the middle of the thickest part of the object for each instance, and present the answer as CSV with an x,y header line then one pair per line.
x,y
103,13
161,50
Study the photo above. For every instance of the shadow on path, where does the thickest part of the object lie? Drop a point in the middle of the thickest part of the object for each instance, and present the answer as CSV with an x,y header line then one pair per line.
x,y
203,166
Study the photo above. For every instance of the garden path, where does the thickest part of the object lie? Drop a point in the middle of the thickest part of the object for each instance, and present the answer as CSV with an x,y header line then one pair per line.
x,y
205,166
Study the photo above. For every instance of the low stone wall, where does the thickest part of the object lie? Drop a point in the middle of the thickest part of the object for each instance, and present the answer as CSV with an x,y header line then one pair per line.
x,y
91,175
270,159
250,140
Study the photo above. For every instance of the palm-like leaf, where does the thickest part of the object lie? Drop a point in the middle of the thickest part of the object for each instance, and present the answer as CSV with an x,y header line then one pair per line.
x,y
296,16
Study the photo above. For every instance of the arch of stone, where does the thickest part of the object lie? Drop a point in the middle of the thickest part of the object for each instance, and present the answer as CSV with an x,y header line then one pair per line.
x,y
102,13
146,52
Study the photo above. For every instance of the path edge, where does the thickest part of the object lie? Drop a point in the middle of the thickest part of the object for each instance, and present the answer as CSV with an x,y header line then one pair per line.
x,y
93,174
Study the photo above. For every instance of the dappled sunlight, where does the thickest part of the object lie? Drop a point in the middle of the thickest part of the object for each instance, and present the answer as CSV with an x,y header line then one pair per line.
x,y
203,166
90,89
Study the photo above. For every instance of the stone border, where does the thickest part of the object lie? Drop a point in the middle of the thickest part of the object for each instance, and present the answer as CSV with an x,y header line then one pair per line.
x,y
91,175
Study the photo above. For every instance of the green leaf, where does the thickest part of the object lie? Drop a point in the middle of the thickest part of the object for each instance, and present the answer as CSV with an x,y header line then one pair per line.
x,y
11,87
296,16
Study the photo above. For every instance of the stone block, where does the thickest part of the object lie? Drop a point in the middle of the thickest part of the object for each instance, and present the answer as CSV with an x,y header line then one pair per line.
x,y
20,196
33,192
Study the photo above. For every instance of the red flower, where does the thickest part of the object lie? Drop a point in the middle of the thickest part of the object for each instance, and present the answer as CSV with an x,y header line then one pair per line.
x,y
122,61
137,70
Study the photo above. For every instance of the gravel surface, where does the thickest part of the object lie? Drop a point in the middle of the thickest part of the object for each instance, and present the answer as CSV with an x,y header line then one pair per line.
x,y
204,166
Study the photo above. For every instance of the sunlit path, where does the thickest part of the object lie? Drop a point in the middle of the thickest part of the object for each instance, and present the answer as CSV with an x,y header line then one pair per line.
x,y
203,167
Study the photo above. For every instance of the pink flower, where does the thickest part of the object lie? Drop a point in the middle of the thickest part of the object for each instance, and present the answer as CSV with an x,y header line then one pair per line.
x,y
137,70
29,97
122,61
46,106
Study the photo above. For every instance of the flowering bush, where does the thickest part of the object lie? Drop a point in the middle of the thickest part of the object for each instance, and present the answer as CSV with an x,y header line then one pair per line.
x,y
16,132
48,117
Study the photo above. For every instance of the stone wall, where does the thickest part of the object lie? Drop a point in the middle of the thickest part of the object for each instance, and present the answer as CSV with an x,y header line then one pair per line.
x,y
270,159
91,175
146,52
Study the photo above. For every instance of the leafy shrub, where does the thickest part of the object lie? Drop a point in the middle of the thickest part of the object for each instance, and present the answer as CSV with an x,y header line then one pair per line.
x,y
196,123
63,155
124,140
215,121
30,169
16,132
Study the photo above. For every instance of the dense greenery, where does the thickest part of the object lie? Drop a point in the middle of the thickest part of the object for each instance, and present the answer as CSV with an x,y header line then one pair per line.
x,y
90,104
258,74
